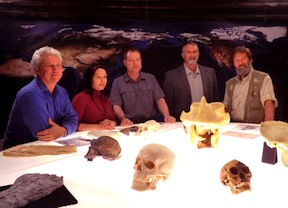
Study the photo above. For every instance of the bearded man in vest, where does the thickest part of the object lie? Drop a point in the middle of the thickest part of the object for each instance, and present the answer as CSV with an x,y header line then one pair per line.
x,y
249,96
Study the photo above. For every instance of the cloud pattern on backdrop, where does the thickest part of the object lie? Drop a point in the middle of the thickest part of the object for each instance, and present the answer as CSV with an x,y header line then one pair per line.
x,y
108,42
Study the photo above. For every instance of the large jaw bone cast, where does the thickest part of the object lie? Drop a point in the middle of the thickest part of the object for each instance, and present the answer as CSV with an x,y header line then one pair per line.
x,y
275,134
204,122
153,162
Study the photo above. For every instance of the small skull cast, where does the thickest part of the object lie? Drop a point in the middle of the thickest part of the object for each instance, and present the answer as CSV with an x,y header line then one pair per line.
x,y
104,146
153,162
147,128
236,175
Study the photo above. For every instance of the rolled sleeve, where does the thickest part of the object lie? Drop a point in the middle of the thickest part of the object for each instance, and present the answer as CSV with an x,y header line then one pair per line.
x,y
115,94
158,92
267,91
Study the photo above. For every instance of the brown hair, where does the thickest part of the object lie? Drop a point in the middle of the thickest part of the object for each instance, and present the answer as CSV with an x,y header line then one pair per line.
x,y
131,49
242,49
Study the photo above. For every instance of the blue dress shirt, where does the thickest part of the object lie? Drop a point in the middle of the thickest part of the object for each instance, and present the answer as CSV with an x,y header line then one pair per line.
x,y
32,108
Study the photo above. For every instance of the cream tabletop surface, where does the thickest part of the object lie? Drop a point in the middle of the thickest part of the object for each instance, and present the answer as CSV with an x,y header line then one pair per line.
x,y
194,182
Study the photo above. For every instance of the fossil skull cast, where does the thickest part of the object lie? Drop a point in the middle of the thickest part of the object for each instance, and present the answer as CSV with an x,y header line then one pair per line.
x,y
144,129
204,122
237,176
104,146
153,162
275,134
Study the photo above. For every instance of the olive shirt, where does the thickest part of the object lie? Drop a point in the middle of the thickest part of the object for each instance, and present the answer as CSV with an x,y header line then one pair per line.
x,y
137,98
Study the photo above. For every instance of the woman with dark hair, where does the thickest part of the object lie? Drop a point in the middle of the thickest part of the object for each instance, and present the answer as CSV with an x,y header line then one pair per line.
x,y
92,104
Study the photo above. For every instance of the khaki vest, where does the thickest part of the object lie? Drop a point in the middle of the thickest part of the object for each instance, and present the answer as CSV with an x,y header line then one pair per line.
x,y
254,111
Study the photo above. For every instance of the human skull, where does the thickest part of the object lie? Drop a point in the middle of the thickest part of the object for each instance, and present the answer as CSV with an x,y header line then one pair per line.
x,y
144,129
104,146
153,162
236,175
275,135
204,122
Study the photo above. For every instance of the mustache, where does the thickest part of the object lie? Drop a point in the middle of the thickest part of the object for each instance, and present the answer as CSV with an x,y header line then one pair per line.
x,y
243,66
243,69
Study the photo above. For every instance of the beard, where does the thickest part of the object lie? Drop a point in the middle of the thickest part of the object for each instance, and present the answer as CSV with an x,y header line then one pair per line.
x,y
243,69
192,61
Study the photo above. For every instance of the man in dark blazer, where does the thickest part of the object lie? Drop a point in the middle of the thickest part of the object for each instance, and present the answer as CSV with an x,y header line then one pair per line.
x,y
189,82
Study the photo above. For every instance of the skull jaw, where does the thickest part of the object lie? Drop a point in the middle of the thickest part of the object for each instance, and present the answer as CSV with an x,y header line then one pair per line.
x,y
143,184
90,154
284,156
206,143
204,137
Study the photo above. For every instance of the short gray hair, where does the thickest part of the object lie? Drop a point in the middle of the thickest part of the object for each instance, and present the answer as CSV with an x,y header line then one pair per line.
x,y
37,56
190,43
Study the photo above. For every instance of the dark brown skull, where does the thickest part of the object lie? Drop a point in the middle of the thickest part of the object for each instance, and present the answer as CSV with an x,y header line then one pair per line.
x,y
236,175
104,146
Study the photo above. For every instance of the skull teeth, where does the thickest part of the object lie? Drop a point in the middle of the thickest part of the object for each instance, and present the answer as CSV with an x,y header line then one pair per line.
x,y
143,180
241,184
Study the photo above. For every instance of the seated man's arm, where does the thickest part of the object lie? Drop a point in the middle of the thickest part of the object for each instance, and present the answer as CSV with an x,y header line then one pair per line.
x,y
168,91
53,132
48,122
33,112
163,108
268,99
269,110
121,116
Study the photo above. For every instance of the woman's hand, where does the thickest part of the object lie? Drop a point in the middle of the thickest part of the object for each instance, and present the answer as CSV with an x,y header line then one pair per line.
x,y
108,124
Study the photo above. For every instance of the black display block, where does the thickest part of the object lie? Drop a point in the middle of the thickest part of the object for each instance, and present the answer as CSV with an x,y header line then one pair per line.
x,y
269,154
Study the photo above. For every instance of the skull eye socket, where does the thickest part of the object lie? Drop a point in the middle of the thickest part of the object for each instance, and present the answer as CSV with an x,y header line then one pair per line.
x,y
234,170
246,170
149,164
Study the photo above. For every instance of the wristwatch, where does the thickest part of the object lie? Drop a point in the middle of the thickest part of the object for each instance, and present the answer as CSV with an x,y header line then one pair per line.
x,y
65,132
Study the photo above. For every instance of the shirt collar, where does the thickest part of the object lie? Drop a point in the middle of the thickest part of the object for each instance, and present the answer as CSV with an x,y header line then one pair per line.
x,y
43,87
188,71
41,84
127,78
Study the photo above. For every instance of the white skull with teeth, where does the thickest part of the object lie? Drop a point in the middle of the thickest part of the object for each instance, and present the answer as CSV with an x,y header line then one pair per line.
x,y
153,162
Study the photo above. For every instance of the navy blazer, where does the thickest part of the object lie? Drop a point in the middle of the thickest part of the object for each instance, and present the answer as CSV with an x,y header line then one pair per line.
x,y
177,89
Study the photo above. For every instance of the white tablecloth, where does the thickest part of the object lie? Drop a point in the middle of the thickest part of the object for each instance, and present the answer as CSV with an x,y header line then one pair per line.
x,y
195,181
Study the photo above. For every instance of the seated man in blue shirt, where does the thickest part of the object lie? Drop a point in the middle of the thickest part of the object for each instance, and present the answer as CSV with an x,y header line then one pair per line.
x,y
135,94
42,109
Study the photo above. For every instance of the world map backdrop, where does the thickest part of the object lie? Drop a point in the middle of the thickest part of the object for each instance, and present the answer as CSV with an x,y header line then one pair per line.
x,y
85,43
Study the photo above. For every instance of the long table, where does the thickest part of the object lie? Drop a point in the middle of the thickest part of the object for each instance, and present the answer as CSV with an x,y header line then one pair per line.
x,y
194,182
